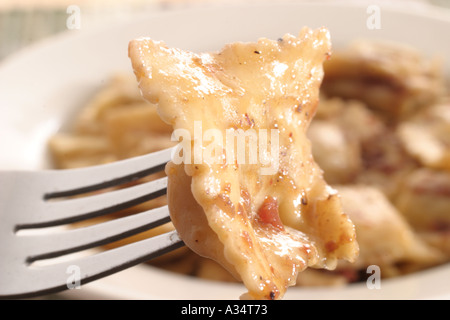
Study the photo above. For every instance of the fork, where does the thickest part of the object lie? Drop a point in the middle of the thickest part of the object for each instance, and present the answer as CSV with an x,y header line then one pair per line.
x,y
33,201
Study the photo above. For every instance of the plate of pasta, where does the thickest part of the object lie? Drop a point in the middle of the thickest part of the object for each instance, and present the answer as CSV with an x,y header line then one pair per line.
x,y
359,204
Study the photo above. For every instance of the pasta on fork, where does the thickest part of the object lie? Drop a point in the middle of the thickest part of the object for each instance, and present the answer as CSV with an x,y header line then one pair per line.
x,y
264,221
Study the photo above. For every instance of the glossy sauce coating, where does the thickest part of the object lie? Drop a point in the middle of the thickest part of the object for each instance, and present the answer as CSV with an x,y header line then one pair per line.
x,y
229,205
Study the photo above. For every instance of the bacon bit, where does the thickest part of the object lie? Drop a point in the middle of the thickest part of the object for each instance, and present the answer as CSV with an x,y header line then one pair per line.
x,y
236,164
268,213
331,245
227,187
304,200
273,295
250,122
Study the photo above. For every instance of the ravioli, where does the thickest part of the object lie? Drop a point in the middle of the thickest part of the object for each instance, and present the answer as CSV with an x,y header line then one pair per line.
x,y
426,136
266,213
385,237
392,78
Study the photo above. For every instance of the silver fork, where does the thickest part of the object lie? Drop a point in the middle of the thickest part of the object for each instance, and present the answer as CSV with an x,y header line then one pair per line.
x,y
42,199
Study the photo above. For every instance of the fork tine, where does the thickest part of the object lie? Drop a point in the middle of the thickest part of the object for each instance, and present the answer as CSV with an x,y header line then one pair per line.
x,y
63,183
120,258
72,240
53,278
76,209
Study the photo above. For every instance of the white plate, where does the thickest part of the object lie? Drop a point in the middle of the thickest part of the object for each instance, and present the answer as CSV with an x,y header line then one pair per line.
x,y
41,88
